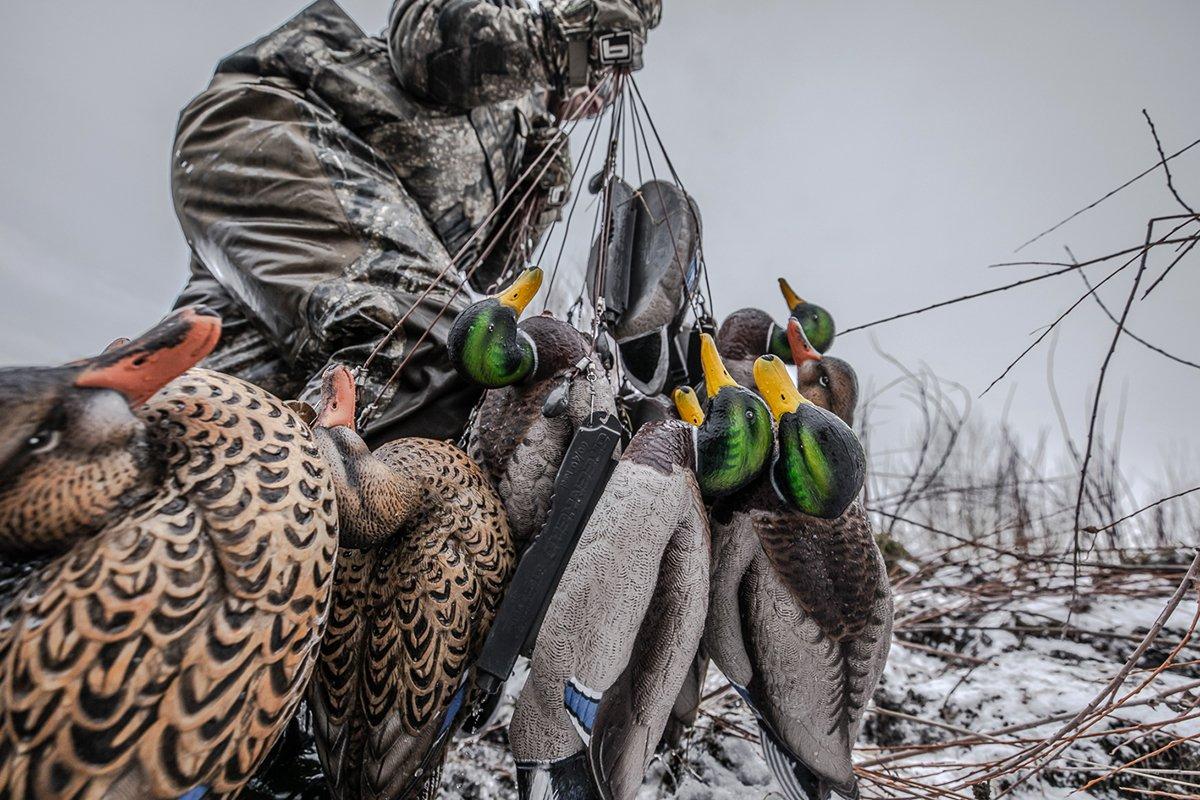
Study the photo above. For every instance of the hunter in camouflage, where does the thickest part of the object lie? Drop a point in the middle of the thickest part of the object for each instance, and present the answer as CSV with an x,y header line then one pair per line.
x,y
326,178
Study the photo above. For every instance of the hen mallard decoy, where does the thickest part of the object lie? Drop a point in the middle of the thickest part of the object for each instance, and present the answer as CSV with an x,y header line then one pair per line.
x,y
190,526
539,395
626,620
749,333
425,553
800,611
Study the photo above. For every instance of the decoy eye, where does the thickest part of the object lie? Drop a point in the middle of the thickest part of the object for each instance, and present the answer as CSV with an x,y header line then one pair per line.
x,y
824,381
491,327
42,442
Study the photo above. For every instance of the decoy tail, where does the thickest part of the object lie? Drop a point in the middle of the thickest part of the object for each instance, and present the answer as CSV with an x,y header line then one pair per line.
x,y
797,781
565,779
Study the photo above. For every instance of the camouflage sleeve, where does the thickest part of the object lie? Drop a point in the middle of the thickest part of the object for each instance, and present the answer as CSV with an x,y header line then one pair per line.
x,y
468,53
313,237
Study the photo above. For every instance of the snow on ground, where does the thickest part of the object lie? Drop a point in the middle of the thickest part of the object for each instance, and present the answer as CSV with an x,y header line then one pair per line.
x,y
973,657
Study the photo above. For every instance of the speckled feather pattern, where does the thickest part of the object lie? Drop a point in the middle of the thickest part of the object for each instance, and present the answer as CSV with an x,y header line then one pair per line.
x,y
170,649
518,447
830,566
800,613
407,620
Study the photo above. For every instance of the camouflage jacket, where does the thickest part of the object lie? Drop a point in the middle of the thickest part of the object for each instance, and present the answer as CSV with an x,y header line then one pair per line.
x,y
325,178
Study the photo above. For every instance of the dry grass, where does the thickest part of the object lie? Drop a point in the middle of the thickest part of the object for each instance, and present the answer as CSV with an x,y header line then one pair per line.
x,y
977,529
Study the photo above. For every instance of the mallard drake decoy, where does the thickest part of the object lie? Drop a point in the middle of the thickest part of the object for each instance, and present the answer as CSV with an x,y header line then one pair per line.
x,y
625,622
800,610
749,333
817,323
190,525
425,554
741,340
537,397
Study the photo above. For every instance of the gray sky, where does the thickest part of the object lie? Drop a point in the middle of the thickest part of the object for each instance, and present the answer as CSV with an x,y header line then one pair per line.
x,y
878,154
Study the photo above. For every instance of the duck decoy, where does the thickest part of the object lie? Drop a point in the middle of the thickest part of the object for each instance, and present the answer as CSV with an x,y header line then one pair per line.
x,y
190,527
817,323
542,385
741,340
424,555
800,611
749,333
624,625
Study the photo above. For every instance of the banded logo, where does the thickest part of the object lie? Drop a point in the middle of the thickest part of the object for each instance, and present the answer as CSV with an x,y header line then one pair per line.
x,y
616,48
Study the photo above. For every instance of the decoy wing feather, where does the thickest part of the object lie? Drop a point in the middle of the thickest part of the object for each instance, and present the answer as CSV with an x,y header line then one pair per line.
x,y
333,693
422,603
734,547
521,451
808,688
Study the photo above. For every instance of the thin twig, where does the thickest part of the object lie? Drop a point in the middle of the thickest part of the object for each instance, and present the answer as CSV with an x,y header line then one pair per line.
x,y
1095,203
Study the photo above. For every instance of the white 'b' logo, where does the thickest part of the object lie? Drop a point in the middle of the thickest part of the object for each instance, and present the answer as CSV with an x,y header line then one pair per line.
x,y
616,48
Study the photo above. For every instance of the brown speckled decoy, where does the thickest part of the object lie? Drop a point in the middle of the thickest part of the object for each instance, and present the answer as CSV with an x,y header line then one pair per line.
x,y
189,524
800,612
425,555
536,399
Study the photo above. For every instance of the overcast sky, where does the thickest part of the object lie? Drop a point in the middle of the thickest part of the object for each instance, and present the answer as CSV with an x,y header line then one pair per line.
x,y
880,155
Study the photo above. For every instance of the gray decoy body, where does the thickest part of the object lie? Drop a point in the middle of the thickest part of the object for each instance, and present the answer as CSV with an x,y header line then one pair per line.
x,y
800,614
745,335
799,620
623,628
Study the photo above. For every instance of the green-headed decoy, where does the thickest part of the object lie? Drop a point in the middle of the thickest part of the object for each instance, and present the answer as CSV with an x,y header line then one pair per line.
x,y
190,526
425,553
749,333
539,394
817,323
800,610
743,337
623,628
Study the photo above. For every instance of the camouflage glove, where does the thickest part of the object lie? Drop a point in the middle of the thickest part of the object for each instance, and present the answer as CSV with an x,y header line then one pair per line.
x,y
585,36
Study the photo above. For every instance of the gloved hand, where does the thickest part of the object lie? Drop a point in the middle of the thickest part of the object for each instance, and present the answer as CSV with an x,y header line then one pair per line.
x,y
588,22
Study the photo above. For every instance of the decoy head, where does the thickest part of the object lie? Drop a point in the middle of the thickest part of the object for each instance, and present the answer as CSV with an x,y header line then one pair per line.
x,y
819,463
73,454
816,321
485,344
733,439
372,500
827,381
